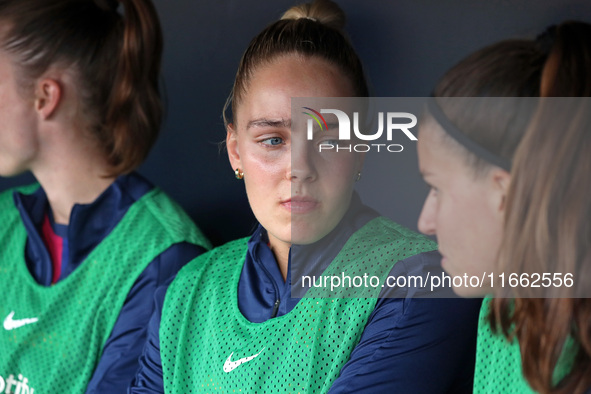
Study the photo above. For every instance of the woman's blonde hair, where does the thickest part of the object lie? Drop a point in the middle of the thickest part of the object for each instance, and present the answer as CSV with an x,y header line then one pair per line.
x,y
313,30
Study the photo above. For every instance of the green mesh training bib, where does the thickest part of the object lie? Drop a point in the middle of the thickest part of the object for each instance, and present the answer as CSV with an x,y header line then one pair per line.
x,y
52,337
207,345
498,361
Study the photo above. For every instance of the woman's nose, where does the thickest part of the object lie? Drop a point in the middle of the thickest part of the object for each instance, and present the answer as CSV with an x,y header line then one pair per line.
x,y
426,223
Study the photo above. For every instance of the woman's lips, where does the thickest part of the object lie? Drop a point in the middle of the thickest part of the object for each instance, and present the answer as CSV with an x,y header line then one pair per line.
x,y
300,205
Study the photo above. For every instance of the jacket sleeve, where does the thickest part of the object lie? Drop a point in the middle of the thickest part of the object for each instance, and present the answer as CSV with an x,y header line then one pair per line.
x,y
414,344
149,378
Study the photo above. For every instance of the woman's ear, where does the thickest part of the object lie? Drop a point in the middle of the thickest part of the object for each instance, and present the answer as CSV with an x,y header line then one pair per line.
x,y
501,180
232,146
48,95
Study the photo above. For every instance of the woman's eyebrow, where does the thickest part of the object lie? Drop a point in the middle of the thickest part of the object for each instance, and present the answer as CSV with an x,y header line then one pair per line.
x,y
264,122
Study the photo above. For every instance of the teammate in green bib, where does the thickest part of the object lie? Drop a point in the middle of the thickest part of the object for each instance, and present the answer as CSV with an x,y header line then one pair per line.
x,y
229,322
55,335
506,180
83,250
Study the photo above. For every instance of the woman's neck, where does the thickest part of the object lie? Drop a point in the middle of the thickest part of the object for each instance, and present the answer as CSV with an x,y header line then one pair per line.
x,y
280,250
72,174
64,193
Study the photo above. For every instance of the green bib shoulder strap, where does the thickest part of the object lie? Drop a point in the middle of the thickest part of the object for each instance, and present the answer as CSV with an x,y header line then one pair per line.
x,y
498,361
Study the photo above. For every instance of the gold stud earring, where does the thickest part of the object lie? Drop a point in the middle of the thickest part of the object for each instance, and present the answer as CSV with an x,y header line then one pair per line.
x,y
358,177
239,174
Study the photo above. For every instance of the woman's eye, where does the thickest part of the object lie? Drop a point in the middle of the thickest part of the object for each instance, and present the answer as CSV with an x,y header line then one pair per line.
x,y
273,141
330,142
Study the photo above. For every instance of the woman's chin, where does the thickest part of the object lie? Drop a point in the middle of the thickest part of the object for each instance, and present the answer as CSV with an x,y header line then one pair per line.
x,y
307,234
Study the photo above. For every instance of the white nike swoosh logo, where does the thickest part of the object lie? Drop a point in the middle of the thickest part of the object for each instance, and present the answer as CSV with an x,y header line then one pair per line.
x,y
10,324
230,365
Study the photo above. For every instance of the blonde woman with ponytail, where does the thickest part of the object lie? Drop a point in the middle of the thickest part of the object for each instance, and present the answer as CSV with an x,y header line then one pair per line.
x,y
228,322
84,249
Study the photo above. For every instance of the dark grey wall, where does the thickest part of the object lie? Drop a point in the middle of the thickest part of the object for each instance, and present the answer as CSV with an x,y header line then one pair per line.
x,y
406,45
